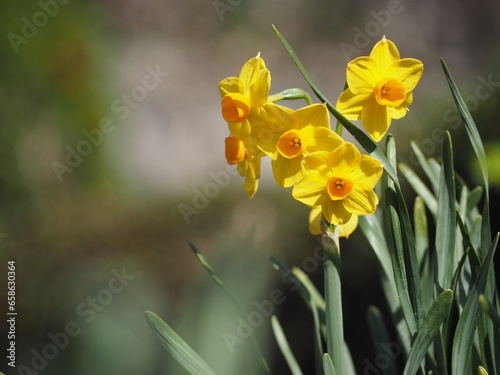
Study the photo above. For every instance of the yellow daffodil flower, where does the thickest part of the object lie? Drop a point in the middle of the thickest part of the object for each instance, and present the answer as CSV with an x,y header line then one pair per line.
x,y
243,96
345,230
380,88
341,182
245,154
287,136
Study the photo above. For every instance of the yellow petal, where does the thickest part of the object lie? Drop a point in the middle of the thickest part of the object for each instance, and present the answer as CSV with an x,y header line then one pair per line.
x,y
251,69
315,138
344,159
272,122
384,53
362,75
369,172
259,89
287,172
315,216
406,71
348,228
311,190
335,212
240,129
361,201
375,119
315,114
351,105
231,85
316,162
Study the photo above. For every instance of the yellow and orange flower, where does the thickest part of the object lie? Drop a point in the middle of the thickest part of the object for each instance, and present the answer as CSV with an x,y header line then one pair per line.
x,y
287,136
379,88
245,154
316,215
243,96
341,182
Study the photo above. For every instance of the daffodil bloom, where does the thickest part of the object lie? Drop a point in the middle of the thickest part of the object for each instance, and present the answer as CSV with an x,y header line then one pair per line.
x,y
316,215
287,136
341,182
380,88
243,96
245,154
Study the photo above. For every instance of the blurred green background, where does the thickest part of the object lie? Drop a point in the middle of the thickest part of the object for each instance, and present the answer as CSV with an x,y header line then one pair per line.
x,y
80,206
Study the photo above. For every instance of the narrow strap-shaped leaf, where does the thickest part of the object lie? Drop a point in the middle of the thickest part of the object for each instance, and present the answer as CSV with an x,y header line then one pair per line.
x,y
363,139
427,166
477,145
328,365
254,349
380,339
446,222
433,320
334,316
310,302
419,187
285,347
421,230
177,347
489,309
466,326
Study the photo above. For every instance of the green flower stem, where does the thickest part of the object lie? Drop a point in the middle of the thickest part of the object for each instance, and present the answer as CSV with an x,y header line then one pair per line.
x,y
333,296
291,94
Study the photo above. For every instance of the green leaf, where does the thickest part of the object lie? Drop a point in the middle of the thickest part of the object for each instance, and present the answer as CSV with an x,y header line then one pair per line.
x,y
285,347
421,230
466,326
380,337
419,187
433,320
253,345
446,222
477,145
428,166
334,317
363,139
177,347
328,365
311,304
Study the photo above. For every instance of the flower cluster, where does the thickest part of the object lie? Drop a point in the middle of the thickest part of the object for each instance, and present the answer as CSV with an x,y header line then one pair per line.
x,y
328,174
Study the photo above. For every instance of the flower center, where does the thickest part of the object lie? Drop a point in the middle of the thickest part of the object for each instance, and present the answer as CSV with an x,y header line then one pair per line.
x,y
339,188
389,92
235,107
235,150
290,145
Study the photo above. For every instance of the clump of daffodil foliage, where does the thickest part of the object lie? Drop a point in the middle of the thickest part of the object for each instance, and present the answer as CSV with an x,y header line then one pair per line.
x,y
439,284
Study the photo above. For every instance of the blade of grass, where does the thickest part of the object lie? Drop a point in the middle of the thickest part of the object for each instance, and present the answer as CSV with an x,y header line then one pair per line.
x,y
177,347
285,347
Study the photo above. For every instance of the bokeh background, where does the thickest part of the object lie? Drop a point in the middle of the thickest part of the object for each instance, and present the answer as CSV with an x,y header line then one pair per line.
x,y
117,208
